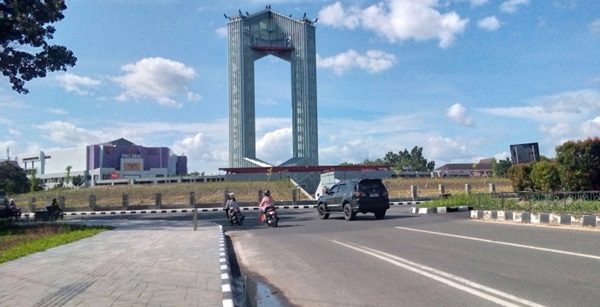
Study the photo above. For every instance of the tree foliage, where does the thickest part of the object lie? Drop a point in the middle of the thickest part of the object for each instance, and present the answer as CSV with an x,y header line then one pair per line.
x,y
35,184
14,177
500,168
519,176
67,178
77,181
403,161
579,164
545,176
24,31
412,161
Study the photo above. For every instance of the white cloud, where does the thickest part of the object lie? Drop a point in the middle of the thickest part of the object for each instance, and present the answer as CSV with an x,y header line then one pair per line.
x,y
343,150
202,148
368,138
69,134
194,97
373,61
511,6
74,83
156,79
568,107
478,2
222,32
445,148
557,131
591,128
490,23
275,147
458,114
334,15
57,111
398,20
12,147
595,27
564,116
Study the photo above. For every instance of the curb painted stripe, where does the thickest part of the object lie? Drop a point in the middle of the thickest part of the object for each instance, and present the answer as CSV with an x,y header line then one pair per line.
x,y
519,217
30,215
225,271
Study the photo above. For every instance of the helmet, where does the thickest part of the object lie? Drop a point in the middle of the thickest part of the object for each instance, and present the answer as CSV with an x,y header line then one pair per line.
x,y
267,193
230,195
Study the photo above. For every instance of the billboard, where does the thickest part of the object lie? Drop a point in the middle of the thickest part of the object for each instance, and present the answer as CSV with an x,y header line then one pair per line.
x,y
524,153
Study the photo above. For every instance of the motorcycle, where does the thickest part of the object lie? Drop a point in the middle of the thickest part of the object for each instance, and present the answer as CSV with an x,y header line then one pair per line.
x,y
270,217
55,213
11,213
236,217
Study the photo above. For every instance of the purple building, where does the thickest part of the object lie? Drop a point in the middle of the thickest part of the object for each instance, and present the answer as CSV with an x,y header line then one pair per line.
x,y
122,159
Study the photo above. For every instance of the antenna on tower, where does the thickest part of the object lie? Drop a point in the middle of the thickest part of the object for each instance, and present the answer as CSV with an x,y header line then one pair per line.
x,y
7,152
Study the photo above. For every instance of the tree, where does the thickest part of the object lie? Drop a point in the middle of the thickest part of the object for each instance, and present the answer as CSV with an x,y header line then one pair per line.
x,y
412,161
67,178
545,176
519,176
77,181
14,178
579,164
500,168
34,183
23,29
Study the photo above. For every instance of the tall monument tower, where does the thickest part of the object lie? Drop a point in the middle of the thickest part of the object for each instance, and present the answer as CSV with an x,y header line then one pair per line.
x,y
252,37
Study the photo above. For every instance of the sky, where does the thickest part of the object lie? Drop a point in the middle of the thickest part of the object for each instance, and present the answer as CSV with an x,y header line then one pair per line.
x,y
463,79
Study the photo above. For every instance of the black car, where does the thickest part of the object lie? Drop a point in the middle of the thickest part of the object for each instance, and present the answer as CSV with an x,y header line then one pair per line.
x,y
352,196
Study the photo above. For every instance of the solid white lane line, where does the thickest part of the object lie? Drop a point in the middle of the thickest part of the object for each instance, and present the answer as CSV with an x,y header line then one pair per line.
x,y
505,243
451,280
457,278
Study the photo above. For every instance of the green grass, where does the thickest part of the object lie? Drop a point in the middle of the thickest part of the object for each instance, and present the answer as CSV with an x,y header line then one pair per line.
x,y
490,202
212,193
19,240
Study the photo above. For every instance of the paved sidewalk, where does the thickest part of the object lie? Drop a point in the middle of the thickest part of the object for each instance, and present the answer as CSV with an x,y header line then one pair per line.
x,y
140,263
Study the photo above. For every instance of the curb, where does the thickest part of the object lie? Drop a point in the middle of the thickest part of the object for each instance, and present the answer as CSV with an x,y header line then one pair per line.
x,y
549,219
440,210
225,271
30,215
405,203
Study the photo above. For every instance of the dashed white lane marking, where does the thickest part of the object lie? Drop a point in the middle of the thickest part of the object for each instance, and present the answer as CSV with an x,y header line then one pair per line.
x,y
504,243
503,299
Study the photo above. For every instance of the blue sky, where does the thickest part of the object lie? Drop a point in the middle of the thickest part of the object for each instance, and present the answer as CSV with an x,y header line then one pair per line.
x,y
464,79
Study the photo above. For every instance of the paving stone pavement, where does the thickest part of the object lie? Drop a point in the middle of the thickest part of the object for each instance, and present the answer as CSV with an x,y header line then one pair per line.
x,y
140,263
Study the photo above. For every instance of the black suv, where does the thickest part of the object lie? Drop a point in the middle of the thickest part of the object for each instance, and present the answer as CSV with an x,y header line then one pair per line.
x,y
352,196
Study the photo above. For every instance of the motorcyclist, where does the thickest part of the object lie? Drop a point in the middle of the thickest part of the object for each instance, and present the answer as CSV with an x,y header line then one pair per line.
x,y
228,205
266,202
12,205
231,205
53,208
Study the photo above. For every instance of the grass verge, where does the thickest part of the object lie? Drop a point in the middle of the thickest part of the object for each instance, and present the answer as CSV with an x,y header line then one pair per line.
x,y
491,202
18,240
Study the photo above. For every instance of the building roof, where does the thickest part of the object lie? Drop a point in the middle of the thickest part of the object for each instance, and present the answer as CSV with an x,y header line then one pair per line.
x,y
120,141
482,165
299,169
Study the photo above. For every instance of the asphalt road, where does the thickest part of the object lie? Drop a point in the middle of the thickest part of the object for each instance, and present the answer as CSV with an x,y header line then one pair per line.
x,y
412,260
418,260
